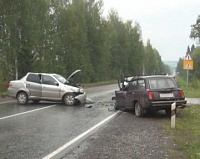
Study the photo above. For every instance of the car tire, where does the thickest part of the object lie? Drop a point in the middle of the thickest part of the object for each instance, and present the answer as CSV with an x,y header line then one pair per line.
x,y
69,99
35,101
139,111
116,107
22,98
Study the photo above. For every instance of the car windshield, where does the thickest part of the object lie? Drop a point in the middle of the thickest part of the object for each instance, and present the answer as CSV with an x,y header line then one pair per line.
x,y
161,83
61,79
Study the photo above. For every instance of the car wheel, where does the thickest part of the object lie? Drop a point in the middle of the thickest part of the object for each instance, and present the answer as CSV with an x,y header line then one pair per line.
x,y
69,99
139,111
22,98
116,107
35,101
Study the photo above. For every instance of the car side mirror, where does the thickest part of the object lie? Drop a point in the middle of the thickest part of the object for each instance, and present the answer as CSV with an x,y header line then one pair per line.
x,y
56,83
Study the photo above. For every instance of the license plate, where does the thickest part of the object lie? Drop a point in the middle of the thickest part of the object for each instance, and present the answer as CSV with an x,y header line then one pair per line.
x,y
167,95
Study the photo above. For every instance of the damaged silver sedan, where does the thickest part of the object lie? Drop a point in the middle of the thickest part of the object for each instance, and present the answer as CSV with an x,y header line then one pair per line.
x,y
46,86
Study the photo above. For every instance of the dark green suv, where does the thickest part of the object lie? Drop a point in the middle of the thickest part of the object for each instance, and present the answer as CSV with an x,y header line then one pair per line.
x,y
144,93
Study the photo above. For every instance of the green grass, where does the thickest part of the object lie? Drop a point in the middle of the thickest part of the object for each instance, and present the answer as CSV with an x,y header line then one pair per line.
x,y
100,83
186,135
191,92
3,93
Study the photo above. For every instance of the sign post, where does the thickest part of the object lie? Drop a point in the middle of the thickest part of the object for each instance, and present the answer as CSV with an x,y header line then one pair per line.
x,y
173,115
188,64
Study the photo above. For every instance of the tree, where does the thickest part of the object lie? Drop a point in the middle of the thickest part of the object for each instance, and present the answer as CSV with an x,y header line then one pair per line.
x,y
21,30
195,31
179,68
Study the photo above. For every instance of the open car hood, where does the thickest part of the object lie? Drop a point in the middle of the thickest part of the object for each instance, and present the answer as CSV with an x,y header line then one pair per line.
x,y
72,75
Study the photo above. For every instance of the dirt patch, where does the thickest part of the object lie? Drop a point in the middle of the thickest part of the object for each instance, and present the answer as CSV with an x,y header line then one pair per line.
x,y
6,98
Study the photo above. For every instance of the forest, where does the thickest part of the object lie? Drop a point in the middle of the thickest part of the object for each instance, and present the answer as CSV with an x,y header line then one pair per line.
x,y
194,51
60,36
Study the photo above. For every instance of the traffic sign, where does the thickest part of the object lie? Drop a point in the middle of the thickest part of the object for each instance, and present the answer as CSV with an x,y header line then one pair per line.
x,y
188,57
188,64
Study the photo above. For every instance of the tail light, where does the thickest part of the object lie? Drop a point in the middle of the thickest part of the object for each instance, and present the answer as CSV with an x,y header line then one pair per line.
x,y
10,85
150,95
181,94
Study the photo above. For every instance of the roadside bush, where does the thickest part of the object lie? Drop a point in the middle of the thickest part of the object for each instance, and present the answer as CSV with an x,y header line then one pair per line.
x,y
3,86
181,82
196,83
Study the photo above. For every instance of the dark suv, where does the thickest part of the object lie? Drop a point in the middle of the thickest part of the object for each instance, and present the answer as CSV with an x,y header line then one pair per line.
x,y
144,93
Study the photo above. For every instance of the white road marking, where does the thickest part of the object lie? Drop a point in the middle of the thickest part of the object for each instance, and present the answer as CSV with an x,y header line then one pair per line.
x,y
54,153
26,112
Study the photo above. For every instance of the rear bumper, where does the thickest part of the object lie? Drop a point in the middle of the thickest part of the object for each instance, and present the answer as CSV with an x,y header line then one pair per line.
x,y
12,92
166,104
81,98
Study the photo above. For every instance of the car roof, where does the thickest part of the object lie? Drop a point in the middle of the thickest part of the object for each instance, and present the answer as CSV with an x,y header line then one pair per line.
x,y
147,76
42,73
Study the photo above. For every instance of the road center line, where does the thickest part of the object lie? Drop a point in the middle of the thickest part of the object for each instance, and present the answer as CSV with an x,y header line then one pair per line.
x,y
54,153
26,112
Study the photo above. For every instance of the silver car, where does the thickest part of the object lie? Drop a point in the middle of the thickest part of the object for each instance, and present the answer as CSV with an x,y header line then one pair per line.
x,y
45,86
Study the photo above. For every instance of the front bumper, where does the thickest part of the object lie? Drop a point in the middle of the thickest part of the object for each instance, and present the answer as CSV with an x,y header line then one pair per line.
x,y
81,98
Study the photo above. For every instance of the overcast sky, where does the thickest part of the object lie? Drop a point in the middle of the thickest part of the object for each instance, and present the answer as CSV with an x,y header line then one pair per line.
x,y
167,23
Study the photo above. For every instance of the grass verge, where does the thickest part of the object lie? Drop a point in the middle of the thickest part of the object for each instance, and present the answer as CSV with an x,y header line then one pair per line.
x,y
191,92
100,83
186,135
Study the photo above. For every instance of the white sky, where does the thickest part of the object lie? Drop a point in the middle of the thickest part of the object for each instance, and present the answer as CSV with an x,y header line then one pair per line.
x,y
167,23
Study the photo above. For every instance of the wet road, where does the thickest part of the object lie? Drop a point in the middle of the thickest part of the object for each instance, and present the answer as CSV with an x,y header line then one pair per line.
x,y
35,131
41,131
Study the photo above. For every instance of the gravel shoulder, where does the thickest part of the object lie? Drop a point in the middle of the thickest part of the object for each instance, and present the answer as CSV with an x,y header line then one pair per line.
x,y
5,98
127,136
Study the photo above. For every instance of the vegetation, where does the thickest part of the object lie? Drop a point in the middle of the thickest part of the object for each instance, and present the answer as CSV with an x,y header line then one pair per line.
x,y
187,133
194,52
64,35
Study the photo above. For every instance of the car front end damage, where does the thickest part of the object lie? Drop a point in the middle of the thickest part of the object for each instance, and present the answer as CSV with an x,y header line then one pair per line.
x,y
81,97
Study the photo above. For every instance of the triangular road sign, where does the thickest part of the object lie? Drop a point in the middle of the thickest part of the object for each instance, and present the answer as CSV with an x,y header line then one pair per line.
x,y
188,57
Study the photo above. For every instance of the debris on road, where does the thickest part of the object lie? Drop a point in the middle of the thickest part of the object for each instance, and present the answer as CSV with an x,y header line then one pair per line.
x,y
89,101
88,106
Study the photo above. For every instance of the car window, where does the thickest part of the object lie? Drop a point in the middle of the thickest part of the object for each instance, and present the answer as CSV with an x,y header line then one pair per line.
x,y
33,78
132,86
159,83
141,85
61,79
48,80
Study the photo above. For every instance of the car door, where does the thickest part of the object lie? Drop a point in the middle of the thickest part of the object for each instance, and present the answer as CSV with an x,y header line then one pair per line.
x,y
140,92
130,95
33,84
50,88
125,97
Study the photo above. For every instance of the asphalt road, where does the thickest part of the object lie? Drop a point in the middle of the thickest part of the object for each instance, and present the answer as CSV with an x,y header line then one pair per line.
x,y
95,131
35,131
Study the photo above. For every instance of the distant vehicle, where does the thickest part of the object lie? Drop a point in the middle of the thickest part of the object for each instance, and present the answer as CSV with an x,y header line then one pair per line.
x,y
146,93
47,86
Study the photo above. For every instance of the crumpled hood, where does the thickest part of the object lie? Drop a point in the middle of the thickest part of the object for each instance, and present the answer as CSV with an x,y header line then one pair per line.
x,y
72,75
